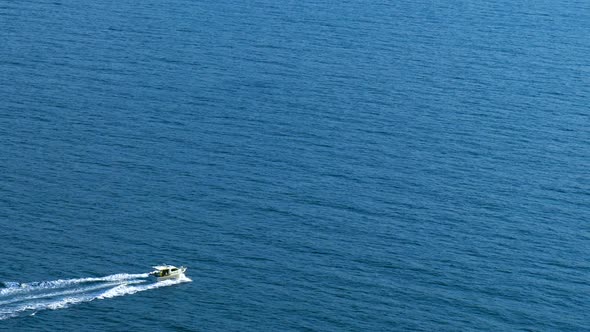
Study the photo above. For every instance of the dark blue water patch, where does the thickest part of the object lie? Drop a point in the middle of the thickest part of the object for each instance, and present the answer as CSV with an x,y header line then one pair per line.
x,y
316,165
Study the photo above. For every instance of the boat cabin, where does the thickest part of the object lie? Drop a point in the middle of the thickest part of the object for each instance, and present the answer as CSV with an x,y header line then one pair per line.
x,y
165,271
168,271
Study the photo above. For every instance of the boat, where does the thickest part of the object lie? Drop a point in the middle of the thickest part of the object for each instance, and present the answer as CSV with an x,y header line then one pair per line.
x,y
165,272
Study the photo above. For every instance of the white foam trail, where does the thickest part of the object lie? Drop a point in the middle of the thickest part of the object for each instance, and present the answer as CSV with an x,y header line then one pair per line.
x,y
40,299
67,292
61,283
126,290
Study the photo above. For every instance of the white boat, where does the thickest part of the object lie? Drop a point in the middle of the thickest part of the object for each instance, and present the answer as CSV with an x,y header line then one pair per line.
x,y
165,272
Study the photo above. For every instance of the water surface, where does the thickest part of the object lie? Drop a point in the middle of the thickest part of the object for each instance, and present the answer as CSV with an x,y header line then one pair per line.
x,y
318,165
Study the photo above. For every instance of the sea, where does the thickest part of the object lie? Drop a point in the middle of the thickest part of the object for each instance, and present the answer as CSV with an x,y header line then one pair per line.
x,y
318,165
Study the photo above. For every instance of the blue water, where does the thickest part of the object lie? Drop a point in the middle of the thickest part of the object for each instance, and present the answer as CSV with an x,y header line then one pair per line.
x,y
318,165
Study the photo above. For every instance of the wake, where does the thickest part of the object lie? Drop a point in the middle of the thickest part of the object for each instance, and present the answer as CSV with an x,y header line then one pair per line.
x,y
17,299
